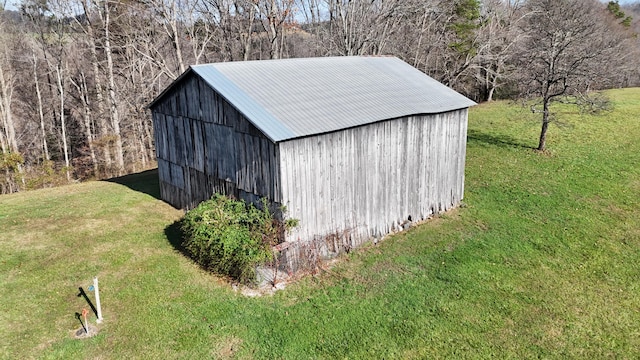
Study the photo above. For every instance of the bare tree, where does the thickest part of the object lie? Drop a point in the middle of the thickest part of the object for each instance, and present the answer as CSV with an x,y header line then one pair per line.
x,y
273,16
43,131
360,27
169,13
10,159
8,141
105,14
90,28
567,44
60,71
497,40
82,89
230,25
441,38
52,32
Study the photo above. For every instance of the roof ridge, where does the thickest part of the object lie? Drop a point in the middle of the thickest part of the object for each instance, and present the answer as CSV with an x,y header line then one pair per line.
x,y
297,97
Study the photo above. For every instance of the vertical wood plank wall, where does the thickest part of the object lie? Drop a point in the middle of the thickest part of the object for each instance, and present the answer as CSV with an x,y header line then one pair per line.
x,y
365,182
204,145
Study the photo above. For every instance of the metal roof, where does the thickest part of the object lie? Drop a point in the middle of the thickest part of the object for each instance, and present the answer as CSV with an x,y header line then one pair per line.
x,y
299,97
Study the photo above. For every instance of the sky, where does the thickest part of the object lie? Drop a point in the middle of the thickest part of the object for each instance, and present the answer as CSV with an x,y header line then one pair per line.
x,y
623,2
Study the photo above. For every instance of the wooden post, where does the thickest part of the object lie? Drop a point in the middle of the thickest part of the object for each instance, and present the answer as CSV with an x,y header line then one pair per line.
x,y
95,286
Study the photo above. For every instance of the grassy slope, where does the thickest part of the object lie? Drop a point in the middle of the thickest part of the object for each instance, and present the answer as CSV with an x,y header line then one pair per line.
x,y
542,262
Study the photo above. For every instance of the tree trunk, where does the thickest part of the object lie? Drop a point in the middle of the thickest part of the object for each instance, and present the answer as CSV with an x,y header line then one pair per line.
x,y
545,125
84,95
4,145
275,44
3,142
43,132
144,159
115,114
9,144
50,85
492,89
102,122
170,25
148,133
63,126
6,93
175,36
273,16
423,24
245,37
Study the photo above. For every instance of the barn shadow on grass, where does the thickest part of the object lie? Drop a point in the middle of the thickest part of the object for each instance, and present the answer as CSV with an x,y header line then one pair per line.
x,y
174,236
145,182
497,140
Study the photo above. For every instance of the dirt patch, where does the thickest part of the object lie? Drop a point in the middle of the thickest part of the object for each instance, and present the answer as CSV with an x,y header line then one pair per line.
x,y
85,332
263,289
227,348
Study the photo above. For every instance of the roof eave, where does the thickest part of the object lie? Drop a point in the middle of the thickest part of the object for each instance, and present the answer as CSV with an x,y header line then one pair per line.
x,y
374,122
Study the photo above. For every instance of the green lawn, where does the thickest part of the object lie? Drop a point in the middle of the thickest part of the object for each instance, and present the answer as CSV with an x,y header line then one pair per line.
x,y
542,262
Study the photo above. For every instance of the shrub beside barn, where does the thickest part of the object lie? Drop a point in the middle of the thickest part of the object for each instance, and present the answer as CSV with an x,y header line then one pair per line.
x,y
354,147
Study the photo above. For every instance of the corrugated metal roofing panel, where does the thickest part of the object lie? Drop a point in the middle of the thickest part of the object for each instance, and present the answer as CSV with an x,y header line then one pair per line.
x,y
300,97
275,129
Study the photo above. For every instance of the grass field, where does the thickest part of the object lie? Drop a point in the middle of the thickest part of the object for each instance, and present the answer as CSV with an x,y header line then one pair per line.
x,y
542,262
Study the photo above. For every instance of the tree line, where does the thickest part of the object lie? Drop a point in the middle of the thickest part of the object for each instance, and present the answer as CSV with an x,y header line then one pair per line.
x,y
76,75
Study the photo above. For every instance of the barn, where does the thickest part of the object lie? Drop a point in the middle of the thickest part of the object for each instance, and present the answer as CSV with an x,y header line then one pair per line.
x,y
354,147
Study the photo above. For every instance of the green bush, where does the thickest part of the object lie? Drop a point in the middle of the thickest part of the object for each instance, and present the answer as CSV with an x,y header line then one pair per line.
x,y
11,167
46,175
230,237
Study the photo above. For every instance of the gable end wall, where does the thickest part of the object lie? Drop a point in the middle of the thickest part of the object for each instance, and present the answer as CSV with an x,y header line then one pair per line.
x,y
204,145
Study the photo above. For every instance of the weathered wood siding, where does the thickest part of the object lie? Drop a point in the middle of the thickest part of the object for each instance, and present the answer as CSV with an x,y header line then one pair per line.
x,y
204,145
364,182
345,187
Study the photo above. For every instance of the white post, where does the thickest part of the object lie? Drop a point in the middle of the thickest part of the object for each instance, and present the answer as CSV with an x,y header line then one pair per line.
x,y
95,286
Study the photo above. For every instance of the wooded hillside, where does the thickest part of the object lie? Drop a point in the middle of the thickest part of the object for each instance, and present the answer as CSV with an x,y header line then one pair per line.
x,y
76,75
